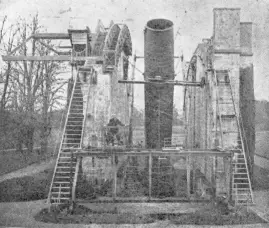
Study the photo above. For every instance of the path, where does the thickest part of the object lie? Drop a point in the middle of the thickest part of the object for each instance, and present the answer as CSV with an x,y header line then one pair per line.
x,y
21,214
29,170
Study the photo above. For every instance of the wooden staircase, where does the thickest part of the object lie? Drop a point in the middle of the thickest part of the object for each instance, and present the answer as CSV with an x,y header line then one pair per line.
x,y
61,185
131,176
242,191
227,115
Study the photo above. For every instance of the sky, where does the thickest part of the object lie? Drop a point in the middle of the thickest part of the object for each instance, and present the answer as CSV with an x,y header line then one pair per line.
x,y
193,21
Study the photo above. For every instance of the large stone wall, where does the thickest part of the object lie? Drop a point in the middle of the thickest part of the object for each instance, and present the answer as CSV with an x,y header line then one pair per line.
x,y
103,98
96,107
226,34
247,99
232,55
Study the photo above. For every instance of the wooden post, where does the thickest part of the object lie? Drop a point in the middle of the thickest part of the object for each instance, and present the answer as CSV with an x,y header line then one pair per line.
x,y
150,174
188,176
231,179
115,177
75,179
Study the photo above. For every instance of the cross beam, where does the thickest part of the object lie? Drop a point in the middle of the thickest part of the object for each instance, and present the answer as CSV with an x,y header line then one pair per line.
x,y
52,36
51,58
146,152
168,82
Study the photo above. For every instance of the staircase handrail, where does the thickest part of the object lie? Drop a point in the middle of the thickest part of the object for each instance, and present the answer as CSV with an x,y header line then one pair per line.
x,y
84,119
241,137
244,136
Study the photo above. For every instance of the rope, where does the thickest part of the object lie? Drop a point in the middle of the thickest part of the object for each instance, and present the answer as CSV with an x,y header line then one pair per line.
x,y
141,72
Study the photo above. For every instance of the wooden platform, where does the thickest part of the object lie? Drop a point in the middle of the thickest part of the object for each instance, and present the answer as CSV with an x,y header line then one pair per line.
x,y
140,200
109,151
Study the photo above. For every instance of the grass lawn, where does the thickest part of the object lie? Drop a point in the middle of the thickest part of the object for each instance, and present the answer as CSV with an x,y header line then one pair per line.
x,y
26,188
261,178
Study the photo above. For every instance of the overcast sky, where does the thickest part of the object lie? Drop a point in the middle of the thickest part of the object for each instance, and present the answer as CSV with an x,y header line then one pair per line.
x,y
193,19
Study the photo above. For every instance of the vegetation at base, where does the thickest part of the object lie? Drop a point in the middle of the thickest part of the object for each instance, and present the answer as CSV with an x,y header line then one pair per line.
x,y
26,188
214,216
83,215
262,115
261,178
210,215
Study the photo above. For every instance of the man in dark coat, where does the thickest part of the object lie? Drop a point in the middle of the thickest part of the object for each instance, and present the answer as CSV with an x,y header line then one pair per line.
x,y
113,130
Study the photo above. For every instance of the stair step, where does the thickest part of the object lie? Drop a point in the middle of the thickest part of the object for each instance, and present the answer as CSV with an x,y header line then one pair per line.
x,y
70,143
240,185
73,148
240,189
61,172
65,167
61,177
61,187
76,117
60,193
245,194
68,159
60,198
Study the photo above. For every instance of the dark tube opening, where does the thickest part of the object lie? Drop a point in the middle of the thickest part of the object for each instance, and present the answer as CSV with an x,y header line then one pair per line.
x,y
159,24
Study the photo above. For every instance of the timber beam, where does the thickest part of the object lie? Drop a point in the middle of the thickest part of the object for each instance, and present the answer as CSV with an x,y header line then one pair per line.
x,y
137,152
51,36
169,82
51,58
142,57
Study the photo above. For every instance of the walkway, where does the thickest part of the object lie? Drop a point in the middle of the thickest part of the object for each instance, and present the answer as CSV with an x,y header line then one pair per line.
x,y
29,170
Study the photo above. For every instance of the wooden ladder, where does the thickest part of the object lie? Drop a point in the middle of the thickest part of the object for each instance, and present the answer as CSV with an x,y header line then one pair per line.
x,y
65,168
241,185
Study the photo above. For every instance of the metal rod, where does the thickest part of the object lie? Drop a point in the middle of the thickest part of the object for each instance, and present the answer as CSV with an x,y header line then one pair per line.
x,y
170,82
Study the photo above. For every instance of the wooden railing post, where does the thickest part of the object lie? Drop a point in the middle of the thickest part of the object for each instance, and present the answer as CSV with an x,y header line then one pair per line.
x,y
150,174
188,177
74,185
115,176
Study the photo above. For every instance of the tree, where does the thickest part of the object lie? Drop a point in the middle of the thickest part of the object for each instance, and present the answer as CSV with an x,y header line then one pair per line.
x,y
177,118
34,89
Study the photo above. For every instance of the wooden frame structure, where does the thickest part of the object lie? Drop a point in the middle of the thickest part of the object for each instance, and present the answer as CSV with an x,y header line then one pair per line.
x,y
112,152
116,39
